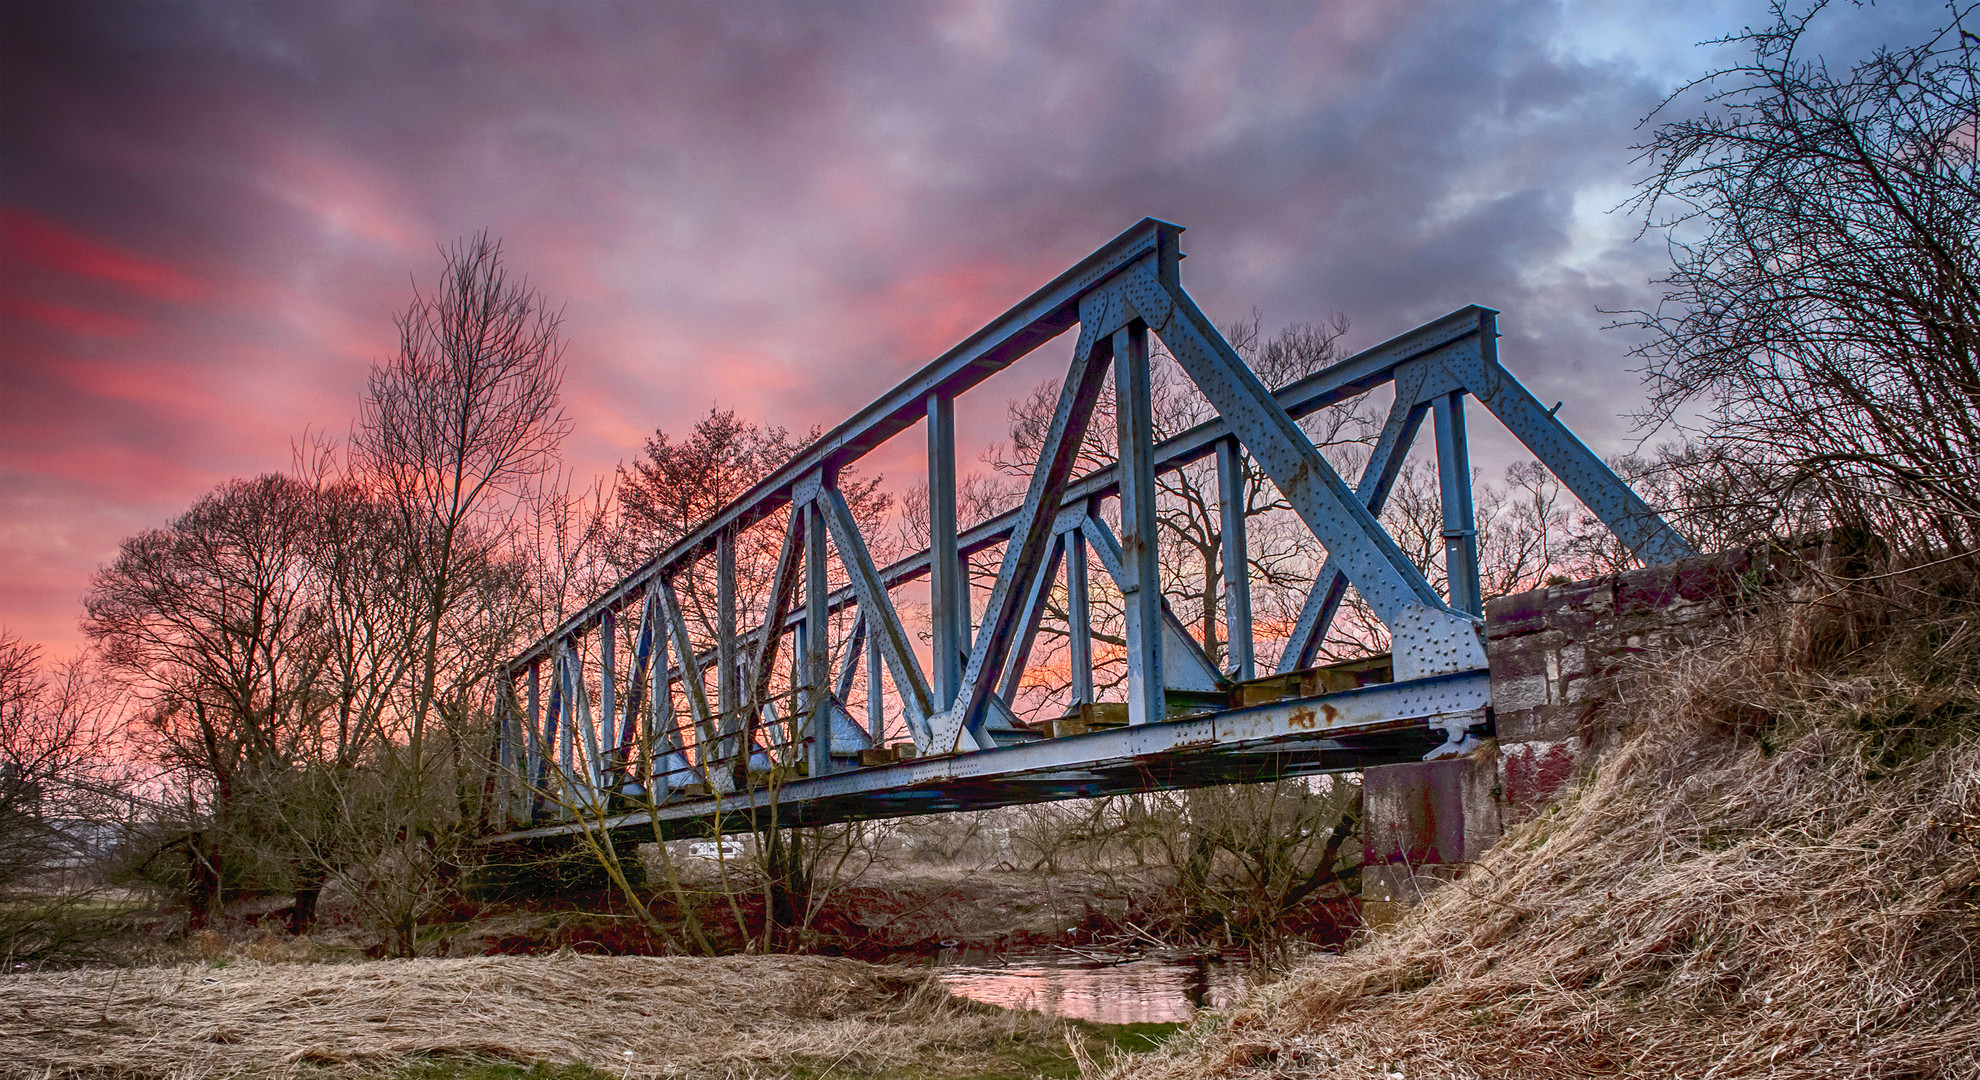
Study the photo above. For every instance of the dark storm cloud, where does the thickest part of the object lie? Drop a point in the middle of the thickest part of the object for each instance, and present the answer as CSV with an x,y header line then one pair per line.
x,y
781,207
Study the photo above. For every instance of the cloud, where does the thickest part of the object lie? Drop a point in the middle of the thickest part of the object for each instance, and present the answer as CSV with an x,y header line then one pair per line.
x,y
35,245
213,211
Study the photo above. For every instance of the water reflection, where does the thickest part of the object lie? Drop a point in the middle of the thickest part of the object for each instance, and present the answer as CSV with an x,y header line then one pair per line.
x,y
1149,990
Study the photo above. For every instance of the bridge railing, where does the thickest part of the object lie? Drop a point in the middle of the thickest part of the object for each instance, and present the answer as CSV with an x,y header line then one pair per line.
x,y
703,710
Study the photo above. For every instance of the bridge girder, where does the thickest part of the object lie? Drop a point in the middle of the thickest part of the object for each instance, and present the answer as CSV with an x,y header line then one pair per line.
x,y
563,761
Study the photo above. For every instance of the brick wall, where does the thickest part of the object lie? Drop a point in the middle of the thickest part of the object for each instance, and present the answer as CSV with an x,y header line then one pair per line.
x,y
1554,652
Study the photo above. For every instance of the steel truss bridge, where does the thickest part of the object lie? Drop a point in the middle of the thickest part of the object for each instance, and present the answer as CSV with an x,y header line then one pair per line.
x,y
688,736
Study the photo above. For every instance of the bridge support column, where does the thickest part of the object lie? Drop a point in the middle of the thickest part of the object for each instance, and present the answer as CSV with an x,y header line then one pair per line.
x,y
1422,822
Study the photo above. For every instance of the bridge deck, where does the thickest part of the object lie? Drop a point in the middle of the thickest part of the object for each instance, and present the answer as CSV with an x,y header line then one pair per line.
x,y
1338,732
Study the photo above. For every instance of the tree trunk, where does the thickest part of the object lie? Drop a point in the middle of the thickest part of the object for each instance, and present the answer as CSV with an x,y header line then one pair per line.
x,y
202,879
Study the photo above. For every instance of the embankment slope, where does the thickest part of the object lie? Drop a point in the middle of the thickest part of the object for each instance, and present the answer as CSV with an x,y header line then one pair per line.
x,y
1777,873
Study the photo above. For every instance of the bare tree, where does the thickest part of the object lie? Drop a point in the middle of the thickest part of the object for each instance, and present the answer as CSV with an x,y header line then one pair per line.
x,y
675,486
1825,302
65,803
454,429
213,622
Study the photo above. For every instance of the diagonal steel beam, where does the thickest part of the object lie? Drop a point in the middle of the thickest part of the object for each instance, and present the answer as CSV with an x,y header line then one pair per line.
x,y
1385,463
895,645
1031,530
1353,376
700,717
629,741
1030,615
849,663
1184,666
1430,637
1032,322
1640,528
783,588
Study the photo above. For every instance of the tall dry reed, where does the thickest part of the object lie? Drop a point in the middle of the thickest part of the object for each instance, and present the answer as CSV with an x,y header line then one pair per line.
x,y
743,1016
1776,874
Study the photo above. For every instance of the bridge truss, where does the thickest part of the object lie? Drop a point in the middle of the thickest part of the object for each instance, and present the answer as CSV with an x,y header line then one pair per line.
x,y
692,737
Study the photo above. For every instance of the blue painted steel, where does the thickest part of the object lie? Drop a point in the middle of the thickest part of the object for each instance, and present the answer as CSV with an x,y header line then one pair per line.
x,y
1460,533
1430,637
1117,295
817,643
876,702
1233,500
948,577
1640,528
895,645
1079,617
1026,553
1140,579
1334,732
1184,667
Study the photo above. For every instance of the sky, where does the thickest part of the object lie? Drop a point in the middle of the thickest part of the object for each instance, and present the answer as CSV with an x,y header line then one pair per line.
x,y
210,213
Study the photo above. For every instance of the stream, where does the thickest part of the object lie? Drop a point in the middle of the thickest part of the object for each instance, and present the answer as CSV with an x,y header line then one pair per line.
x,y
1091,987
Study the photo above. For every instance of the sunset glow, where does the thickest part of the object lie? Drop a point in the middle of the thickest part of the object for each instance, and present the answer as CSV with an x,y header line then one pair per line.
x,y
209,215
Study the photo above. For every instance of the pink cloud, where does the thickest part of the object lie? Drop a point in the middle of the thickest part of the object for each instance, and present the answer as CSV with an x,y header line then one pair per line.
x,y
32,241
71,320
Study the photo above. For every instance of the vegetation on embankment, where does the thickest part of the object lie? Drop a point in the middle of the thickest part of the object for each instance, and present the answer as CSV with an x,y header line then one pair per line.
x,y
1777,873
564,1016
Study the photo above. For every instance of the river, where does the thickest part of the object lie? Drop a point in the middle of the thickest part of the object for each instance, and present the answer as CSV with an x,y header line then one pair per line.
x,y
1077,986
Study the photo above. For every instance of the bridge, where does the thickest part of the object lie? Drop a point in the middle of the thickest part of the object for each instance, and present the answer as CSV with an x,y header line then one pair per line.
x,y
625,718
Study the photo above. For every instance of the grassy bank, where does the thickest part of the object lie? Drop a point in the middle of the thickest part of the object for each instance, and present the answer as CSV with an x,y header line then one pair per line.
x,y
565,1016
1777,873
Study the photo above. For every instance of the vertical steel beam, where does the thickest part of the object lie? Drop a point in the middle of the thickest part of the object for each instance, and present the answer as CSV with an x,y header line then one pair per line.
x,y
536,733
1640,528
608,697
1141,591
817,641
876,705
578,700
552,717
1079,619
948,596
1232,501
1460,519
571,718
1029,546
494,788
728,693
1430,636
640,729
663,740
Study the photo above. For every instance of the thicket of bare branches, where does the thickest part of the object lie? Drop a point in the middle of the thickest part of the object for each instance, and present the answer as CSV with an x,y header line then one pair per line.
x,y
1824,306
66,802
453,430
309,655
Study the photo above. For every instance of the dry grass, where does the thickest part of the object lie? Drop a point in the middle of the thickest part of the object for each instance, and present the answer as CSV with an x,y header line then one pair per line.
x,y
1775,875
629,1016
